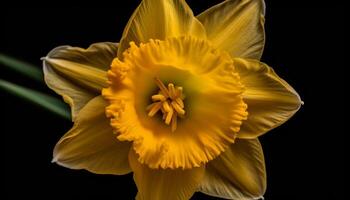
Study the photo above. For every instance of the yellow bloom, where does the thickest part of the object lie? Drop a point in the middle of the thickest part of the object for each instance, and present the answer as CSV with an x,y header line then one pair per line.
x,y
180,101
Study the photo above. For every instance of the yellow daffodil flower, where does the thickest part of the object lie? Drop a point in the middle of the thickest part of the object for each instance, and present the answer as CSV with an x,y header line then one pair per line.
x,y
180,101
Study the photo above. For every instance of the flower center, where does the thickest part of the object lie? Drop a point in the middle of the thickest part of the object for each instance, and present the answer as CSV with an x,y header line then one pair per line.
x,y
169,101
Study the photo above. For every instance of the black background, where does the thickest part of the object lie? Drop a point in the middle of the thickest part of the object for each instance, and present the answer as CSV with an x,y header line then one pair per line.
x,y
304,157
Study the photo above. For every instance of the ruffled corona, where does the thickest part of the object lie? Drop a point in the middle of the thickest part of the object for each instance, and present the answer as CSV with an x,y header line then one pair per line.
x,y
147,103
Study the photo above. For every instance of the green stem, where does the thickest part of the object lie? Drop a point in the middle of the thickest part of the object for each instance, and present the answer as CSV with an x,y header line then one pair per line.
x,y
22,67
50,103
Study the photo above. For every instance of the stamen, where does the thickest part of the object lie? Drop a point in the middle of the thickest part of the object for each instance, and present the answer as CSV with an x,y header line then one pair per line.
x,y
158,97
178,108
162,87
154,109
179,92
169,101
171,89
169,116
150,106
166,106
180,102
174,122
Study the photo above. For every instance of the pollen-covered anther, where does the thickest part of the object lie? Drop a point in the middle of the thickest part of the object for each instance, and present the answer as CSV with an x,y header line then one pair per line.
x,y
169,101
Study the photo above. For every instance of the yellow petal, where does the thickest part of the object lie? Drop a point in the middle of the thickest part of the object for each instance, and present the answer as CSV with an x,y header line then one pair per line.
x,y
160,19
78,74
271,100
163,184
213,106
238,173
236,26
91,144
